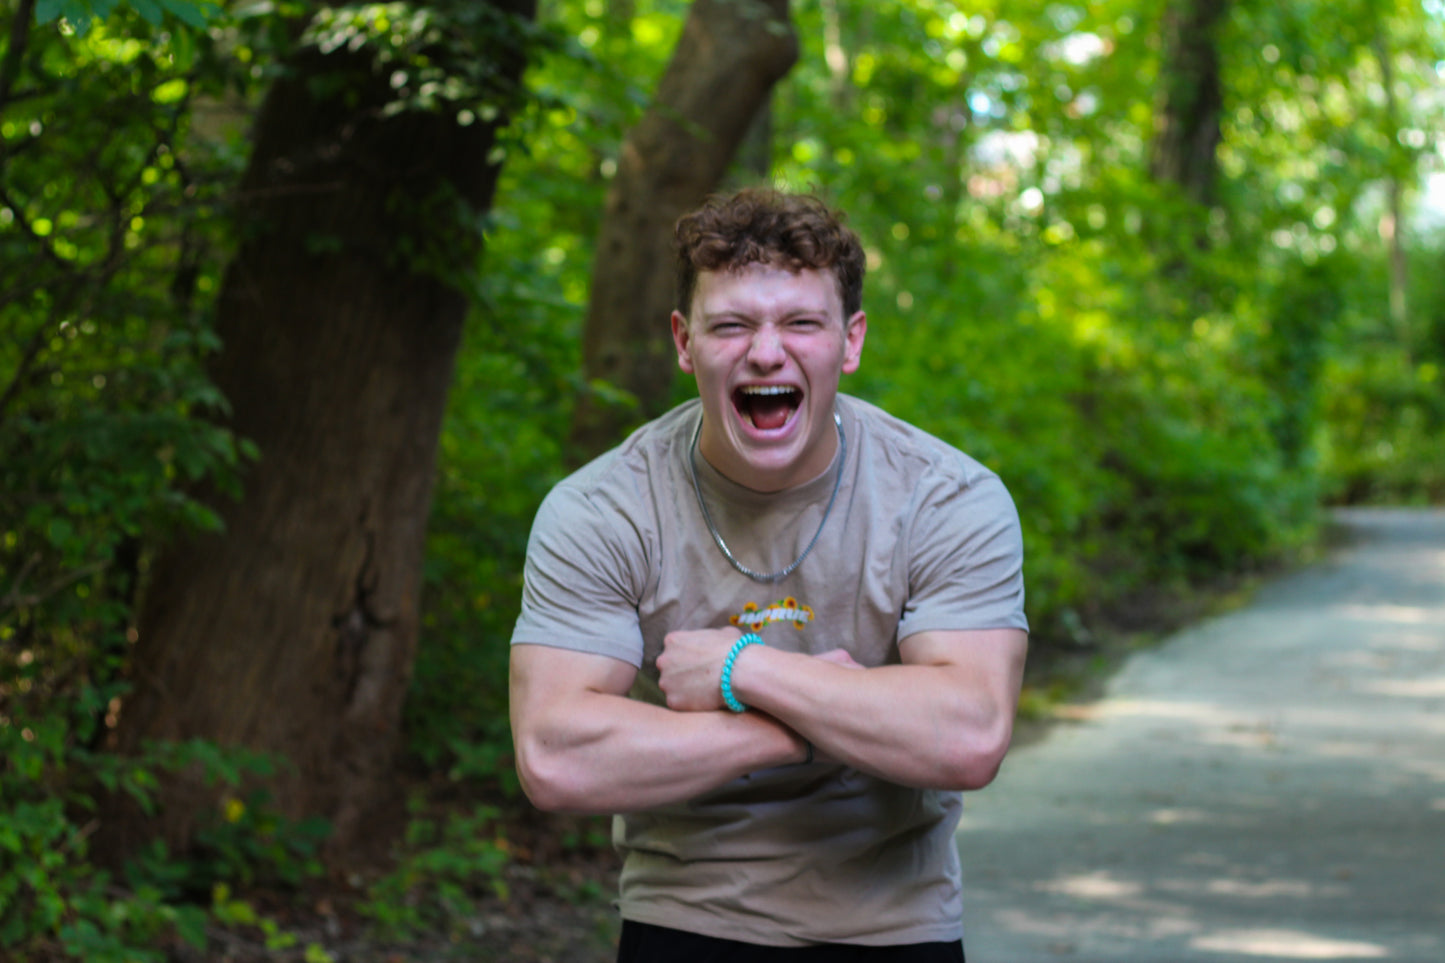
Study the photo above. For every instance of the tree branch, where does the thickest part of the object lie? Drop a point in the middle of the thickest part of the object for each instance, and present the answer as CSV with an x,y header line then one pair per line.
x,y
27,359
15,598
19,41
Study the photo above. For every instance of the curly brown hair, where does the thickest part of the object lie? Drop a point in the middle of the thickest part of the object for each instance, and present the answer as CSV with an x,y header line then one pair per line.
x,y
763,226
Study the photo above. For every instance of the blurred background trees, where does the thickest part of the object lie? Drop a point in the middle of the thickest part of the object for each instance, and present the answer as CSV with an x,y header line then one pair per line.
x,y
1171,267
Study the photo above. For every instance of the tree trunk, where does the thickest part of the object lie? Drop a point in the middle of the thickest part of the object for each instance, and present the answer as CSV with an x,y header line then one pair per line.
x,y
1187,131
730,55
753,160
294,631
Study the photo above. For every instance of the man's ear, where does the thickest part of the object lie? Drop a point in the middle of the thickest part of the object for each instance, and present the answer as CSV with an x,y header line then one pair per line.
x,y
854,331
682,340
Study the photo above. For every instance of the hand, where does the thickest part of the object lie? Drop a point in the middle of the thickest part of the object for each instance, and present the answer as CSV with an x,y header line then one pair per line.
x,y
689,670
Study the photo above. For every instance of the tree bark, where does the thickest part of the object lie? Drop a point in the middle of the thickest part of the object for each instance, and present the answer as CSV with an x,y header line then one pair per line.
x,y
1187,131
730,55
753,159
294,631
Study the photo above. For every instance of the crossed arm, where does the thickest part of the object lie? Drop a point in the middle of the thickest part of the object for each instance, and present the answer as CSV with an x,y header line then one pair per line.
x,y
940,719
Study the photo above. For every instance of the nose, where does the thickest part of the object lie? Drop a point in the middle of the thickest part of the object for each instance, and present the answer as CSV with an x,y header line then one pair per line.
x,y
766,350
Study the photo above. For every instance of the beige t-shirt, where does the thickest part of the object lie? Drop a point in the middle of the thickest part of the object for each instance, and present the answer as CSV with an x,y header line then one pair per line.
x,y
921,537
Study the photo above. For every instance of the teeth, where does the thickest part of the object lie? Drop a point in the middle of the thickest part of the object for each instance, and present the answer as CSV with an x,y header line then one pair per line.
x,y
767,390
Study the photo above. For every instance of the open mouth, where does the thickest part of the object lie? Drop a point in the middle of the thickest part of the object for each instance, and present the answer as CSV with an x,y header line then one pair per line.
x,y
768,407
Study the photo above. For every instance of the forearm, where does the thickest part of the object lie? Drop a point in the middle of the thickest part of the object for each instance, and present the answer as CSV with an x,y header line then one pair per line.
x,y
605,753
922,725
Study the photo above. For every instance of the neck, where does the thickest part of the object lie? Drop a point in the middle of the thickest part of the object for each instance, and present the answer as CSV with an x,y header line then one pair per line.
x,y
767,577
811,464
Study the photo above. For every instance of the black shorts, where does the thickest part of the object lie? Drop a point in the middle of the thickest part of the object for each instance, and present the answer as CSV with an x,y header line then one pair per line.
x,y
645,943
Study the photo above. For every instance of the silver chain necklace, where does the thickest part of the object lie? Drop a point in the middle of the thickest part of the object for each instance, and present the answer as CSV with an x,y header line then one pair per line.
x,y
766,577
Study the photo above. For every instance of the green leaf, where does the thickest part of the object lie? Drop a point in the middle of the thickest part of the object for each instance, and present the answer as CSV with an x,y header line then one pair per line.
x,y
149,10
48,10
190,923
193,13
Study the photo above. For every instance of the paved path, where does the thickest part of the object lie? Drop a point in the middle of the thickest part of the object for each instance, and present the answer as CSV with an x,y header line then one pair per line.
x,y
1269,785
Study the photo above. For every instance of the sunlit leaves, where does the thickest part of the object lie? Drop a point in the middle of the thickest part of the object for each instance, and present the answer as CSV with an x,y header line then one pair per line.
x,y
448,56
1012,142
110,209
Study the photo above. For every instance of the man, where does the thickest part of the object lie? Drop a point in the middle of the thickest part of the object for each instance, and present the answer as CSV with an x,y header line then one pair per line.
x,y
776,629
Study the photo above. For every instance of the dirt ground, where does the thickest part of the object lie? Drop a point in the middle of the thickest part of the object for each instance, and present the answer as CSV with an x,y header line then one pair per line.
x,y
556,909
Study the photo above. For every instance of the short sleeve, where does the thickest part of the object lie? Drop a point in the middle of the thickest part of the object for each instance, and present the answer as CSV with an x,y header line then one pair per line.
x,y
965,555
582,579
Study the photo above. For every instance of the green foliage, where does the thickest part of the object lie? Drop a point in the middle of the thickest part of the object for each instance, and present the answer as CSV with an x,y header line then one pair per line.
x,y
109,211
81,14
447,866
110,195
235,913
442,56
53,898
246,843
1385,410
1154,424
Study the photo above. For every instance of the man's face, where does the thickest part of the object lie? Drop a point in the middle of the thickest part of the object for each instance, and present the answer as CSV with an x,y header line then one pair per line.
x,y
768,347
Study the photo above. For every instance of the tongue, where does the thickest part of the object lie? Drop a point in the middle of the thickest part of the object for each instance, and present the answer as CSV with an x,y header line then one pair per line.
x,y
770,411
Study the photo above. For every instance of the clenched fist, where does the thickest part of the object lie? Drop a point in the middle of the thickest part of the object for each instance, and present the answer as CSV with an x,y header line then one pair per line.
x,y
690,668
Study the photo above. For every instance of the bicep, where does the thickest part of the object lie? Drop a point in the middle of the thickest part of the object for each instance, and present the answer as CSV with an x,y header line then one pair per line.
x,y
545,679
987,662
561,703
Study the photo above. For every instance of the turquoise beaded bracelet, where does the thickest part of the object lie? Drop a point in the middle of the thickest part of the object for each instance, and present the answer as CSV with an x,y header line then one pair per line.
x,y
743,642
